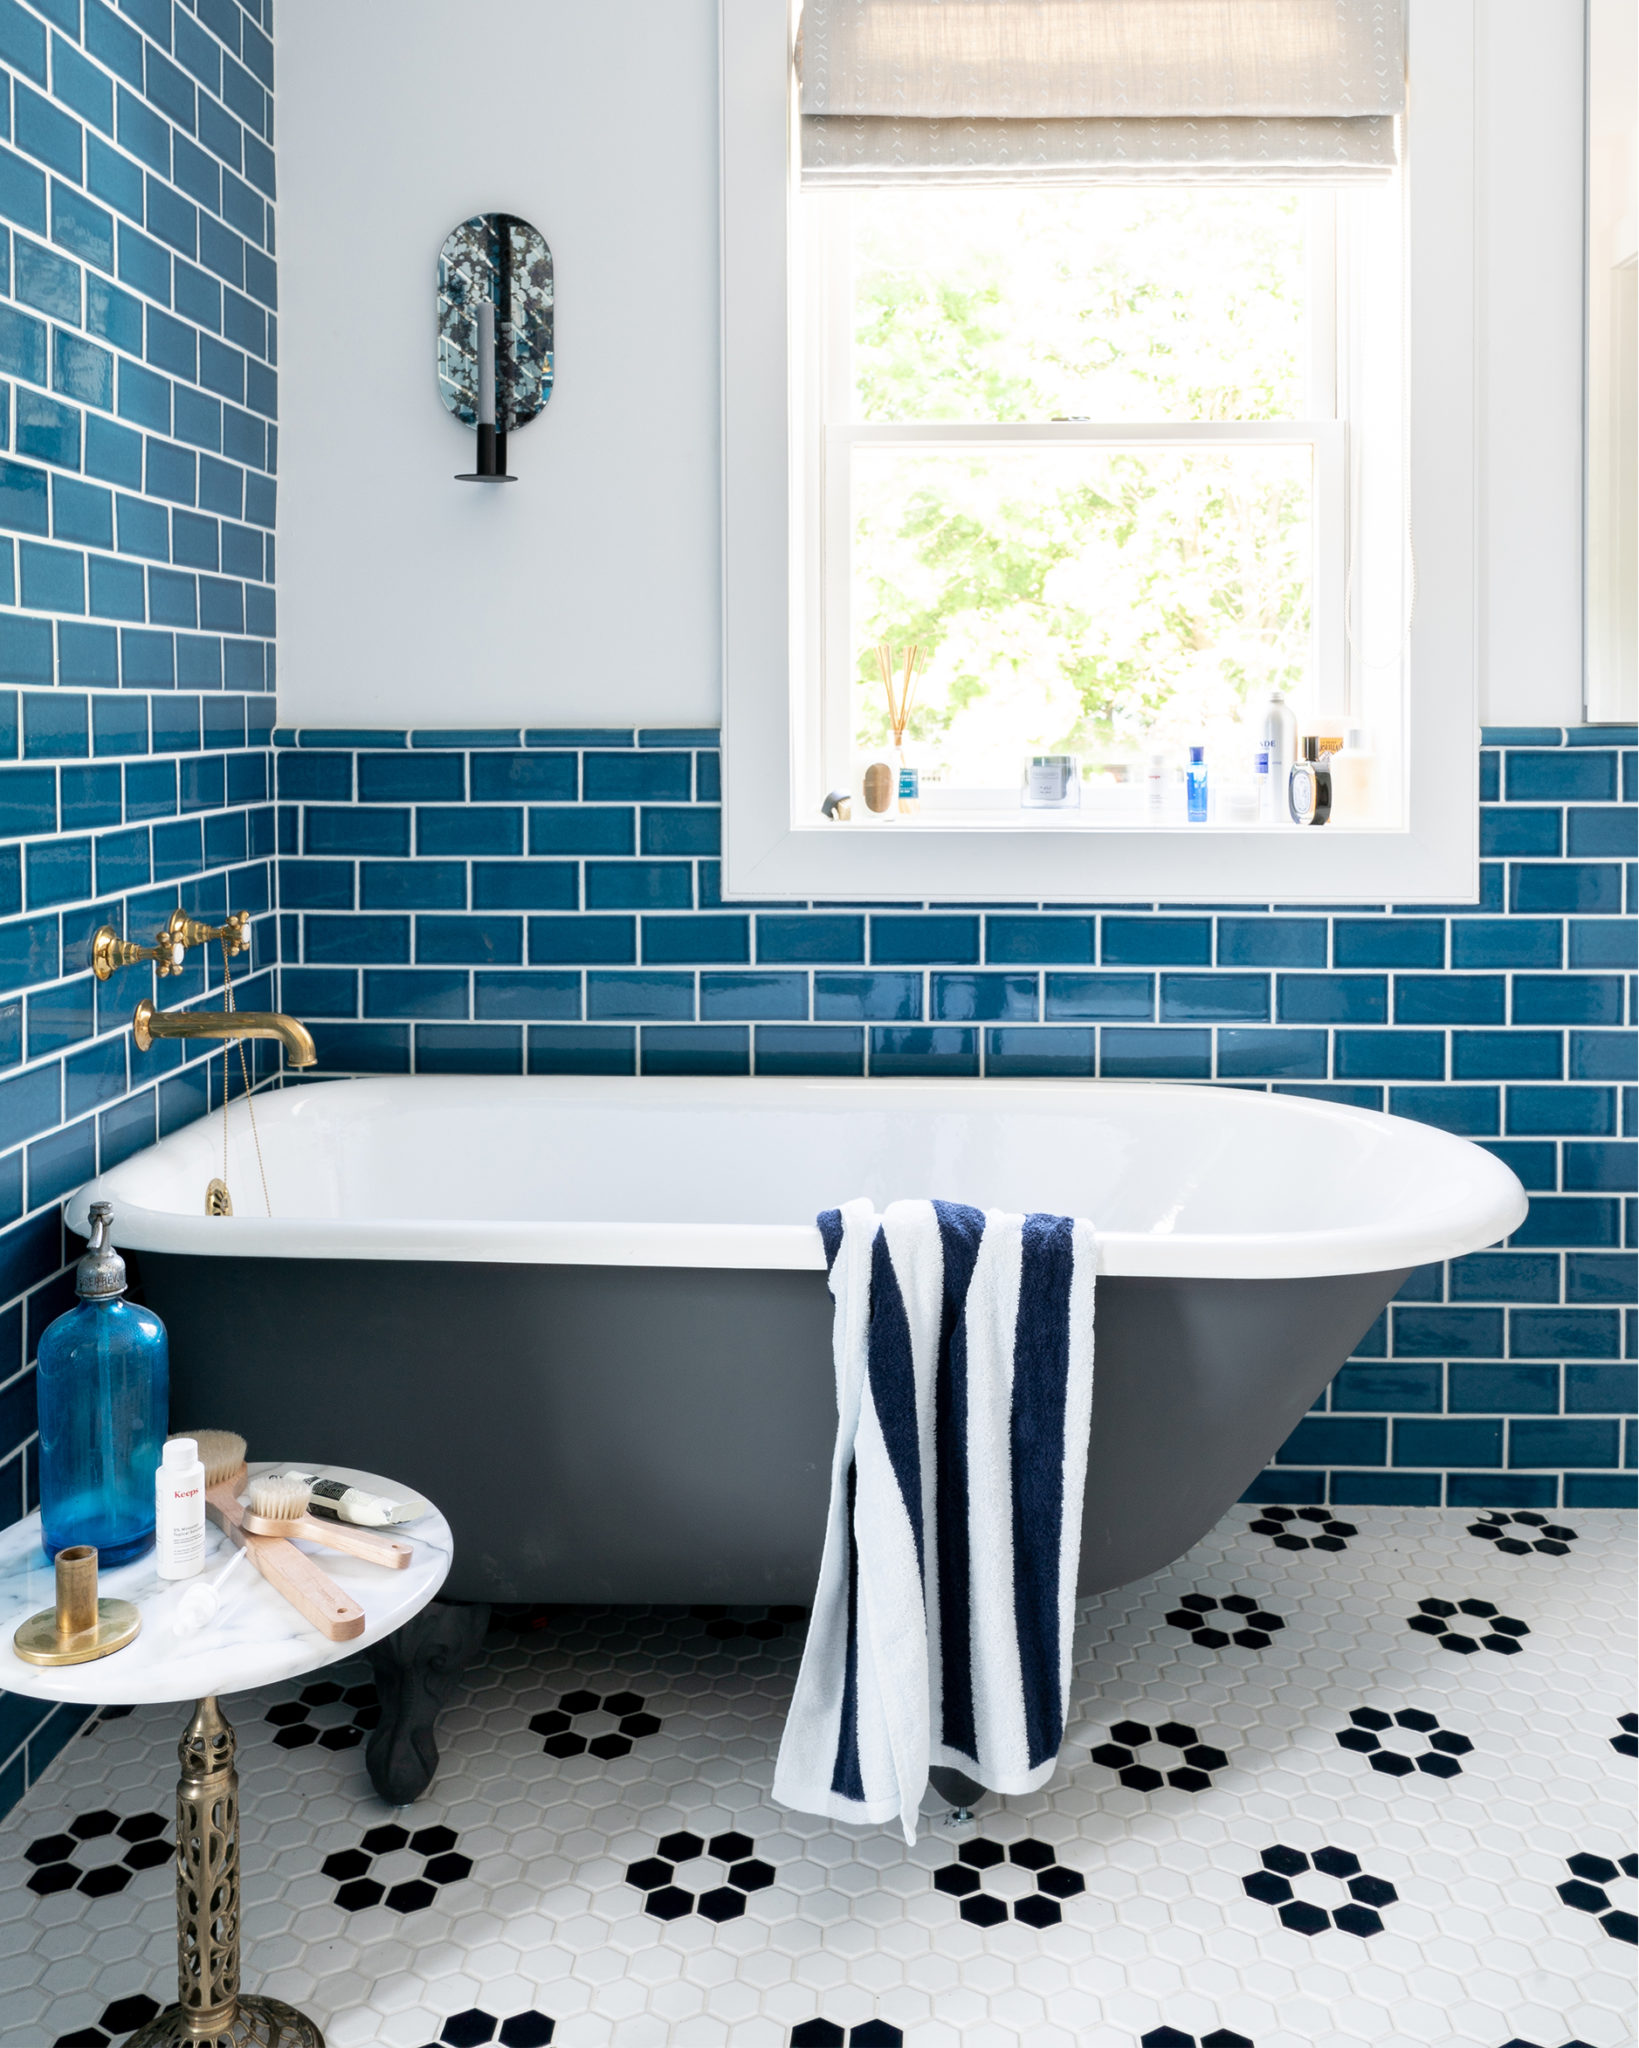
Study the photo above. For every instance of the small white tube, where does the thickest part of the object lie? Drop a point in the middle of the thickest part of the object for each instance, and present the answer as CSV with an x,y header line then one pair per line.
x,y
335,1501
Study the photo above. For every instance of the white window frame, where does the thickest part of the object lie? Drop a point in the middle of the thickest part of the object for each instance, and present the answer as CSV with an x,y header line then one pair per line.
x,y
776,845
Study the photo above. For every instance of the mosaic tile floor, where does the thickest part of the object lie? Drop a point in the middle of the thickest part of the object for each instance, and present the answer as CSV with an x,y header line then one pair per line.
x,y
1327,1783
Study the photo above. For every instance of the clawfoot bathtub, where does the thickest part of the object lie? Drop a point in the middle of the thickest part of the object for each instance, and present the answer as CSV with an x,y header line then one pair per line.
x,y
590,1318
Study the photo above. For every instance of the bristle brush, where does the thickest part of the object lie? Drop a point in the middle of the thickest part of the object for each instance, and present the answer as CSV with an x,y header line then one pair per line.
x,y
277,1506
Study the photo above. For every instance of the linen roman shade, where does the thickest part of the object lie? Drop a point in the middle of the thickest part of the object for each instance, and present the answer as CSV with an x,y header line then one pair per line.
x,y
1078,91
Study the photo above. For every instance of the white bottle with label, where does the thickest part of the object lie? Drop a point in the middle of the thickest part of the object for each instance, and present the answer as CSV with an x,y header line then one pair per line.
x,y
1280,737
179,1510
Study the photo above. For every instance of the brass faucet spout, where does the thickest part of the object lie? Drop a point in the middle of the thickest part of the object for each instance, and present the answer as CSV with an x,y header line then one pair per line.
x,y
149,1023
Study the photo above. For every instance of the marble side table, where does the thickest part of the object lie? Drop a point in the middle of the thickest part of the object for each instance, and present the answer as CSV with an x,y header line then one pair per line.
x,y
256,1639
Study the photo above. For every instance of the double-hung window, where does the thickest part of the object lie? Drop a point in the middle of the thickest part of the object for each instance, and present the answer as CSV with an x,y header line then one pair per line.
x,y
1095,389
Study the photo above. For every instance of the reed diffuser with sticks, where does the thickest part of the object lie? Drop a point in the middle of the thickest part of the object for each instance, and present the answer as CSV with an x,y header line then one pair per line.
x,y
899,679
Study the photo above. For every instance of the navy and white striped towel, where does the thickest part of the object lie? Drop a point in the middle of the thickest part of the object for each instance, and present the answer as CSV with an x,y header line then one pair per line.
x,y
941,1626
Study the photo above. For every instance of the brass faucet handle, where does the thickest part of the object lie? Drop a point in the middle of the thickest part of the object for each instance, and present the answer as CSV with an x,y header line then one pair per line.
x,y
109,953
184,930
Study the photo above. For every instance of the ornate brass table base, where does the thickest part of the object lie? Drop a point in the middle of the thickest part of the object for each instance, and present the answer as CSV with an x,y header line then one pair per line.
x,y
210,2013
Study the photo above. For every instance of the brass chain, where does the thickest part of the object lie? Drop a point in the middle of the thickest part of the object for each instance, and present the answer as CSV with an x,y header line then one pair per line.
x,y
244,1068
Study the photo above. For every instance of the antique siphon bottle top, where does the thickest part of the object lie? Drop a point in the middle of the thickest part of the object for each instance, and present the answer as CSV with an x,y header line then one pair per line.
x,y
100,1273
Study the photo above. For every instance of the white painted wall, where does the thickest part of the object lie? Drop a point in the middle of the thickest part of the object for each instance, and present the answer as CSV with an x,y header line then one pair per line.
x,y
587,592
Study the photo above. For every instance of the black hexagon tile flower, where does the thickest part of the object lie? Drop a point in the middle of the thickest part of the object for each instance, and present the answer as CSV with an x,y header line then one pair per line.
x,y
1273,1885
470,2029
964,1880
1438,1618
353,1869
1178,1757
827,2034
1434,1750
63,1863
120,2018
332,1716
745,1873
1586,1890
1626,1743
1171,2037
1323,1531
562,1738
1257,1624
1536,1532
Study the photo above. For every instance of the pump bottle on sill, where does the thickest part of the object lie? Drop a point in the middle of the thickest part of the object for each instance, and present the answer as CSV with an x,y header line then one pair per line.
x,y
1280,737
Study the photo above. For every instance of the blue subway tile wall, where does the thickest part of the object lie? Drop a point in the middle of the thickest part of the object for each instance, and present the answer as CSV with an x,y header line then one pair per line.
x,y
548,902
138,327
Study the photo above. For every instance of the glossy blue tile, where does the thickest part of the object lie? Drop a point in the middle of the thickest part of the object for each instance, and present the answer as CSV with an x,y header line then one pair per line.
x,y
878,998
639,996
1505,1276
1132,1053
1522,736
1390,1055
1610,944
1331,998
809,1049
410,885
94,1077
1297,1489
570,941
89,797
1600,1492
910,1049
1564,1333
1593,1277
1332,1440
1571,1112
695,1049
1066,1050
524,885
1245,1055
1450,998
350,830
582,829
60,1162
683,829
639,885
726,998
1420,1331
1053,941
1272,942
1214,998
1500,1490
511,777
309,778
320,991
926,939
469,941
674,941
1156,942
1600,1390
1565,887
28,952
469,1049
355,941
527,996
61,1016
1610,833
1379,1388
468,829
1388,942
1507,1055
1502,1390
1579,1220
983,998
1580,775
802,939
636,776
1567,999
363,1048
582,1049
1514,831
405,778
58,871
1603,1056
571,737
316,885
1429,1442
1100,998
1565,1443
1601,1168
415,992
125,1129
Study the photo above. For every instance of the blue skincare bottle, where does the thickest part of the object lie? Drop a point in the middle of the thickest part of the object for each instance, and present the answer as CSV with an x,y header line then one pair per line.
x,y
1197,786
103,1389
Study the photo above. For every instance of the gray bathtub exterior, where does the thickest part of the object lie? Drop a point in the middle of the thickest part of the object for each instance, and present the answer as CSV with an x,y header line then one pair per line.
x,y
663,1434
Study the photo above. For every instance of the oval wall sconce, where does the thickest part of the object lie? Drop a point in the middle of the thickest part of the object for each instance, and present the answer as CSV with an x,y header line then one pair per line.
x,y
494,332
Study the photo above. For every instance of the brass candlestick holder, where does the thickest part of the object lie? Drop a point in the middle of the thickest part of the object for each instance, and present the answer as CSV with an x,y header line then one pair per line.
x,y
80,1627
211,2011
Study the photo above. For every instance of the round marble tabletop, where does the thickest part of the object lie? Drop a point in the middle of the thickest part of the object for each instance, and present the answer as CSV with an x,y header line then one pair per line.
x,y
256,1638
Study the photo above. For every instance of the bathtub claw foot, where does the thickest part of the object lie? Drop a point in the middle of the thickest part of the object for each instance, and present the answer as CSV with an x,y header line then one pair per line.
x,y
961,1794
416,1669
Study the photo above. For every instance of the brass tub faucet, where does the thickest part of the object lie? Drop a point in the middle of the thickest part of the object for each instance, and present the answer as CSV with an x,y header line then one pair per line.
x,y
110,952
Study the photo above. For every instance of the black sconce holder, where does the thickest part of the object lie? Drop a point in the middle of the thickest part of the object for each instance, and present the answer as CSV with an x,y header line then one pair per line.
x,y
492,467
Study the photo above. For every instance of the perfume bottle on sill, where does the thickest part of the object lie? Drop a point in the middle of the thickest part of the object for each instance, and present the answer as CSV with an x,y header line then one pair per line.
x,y
1309,799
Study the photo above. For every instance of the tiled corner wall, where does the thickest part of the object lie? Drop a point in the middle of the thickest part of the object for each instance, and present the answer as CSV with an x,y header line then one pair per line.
x,y
548,902
137,451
